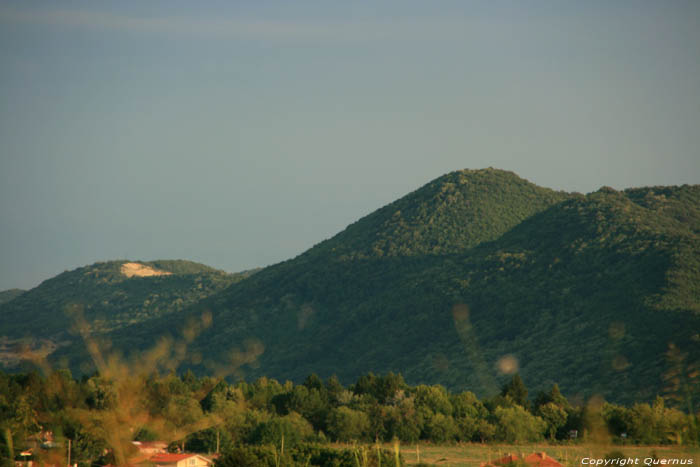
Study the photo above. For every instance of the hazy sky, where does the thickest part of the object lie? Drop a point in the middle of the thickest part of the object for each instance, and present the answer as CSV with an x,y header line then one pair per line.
x,y
239,134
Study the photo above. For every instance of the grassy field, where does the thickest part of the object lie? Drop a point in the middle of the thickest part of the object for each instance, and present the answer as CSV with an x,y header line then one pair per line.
x,y
469,455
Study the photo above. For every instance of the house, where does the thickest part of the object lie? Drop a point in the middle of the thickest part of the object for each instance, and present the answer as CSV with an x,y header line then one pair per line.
x,y
538,459
180,460
541,459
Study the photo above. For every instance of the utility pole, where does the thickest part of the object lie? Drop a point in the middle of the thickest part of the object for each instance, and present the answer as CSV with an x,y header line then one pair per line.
x,y
68,452
217,440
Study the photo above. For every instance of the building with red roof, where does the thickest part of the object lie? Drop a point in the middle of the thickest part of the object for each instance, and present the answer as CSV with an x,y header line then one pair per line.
x,y
538,459
541,459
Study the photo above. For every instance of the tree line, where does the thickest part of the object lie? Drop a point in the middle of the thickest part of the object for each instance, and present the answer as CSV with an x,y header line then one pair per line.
x,y
101,415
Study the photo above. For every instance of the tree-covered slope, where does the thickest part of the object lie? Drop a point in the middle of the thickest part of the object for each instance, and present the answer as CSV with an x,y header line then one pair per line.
x,y
9,295
451,214
588,292
109,295
461,282
592,292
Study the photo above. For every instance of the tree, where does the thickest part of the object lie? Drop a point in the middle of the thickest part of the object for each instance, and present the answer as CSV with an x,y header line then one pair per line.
x,y
467,413
382,388
554,416
516,391
346,424
184,416
434,398
554,396
334,390
85,446
441,428
466,404
314,382
682,379
517,425
292,428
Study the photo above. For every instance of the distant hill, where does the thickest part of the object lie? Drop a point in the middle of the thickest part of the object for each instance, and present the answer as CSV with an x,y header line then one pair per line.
x,y
9,295
108,296
469,278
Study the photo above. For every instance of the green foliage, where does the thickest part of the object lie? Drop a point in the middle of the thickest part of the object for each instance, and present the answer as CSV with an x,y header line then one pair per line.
x,y
434,398
448,215
249,456
441,428
9,295
314,454
554,416
646,424
516,391
99,298
346,424
466,404
305,455
209,439
441,285
553,396
381,388
570,292
291,428
516,425
169,408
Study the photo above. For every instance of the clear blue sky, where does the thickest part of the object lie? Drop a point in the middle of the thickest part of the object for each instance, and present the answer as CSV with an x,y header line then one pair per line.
x,y
239,134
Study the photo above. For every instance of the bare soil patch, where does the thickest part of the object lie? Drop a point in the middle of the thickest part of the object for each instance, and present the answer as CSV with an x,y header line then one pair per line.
x,y
141,270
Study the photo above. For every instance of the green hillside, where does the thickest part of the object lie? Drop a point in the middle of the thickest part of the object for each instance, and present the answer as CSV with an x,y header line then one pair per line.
x,y
580,294
473,276
587,291
9,295
448,215
108,299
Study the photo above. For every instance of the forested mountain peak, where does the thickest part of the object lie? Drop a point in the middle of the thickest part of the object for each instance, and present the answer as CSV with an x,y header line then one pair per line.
x,y
111,294
450,214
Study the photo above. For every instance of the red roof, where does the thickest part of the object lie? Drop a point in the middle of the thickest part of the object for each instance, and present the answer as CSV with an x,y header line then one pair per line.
x,y
541,459
538,459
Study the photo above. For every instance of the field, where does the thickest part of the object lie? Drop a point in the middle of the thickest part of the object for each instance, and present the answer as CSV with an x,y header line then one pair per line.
x,y
469,455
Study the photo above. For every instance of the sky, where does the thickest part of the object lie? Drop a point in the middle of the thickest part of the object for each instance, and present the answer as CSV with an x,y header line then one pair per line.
x,y
239,134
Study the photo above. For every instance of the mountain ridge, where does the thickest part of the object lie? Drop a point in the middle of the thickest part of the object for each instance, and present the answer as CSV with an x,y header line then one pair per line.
x,y
588,291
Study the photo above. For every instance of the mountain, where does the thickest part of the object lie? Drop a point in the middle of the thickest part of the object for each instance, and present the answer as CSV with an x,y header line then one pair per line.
x,y
106,296
589,292
448,215
9,295
474,276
